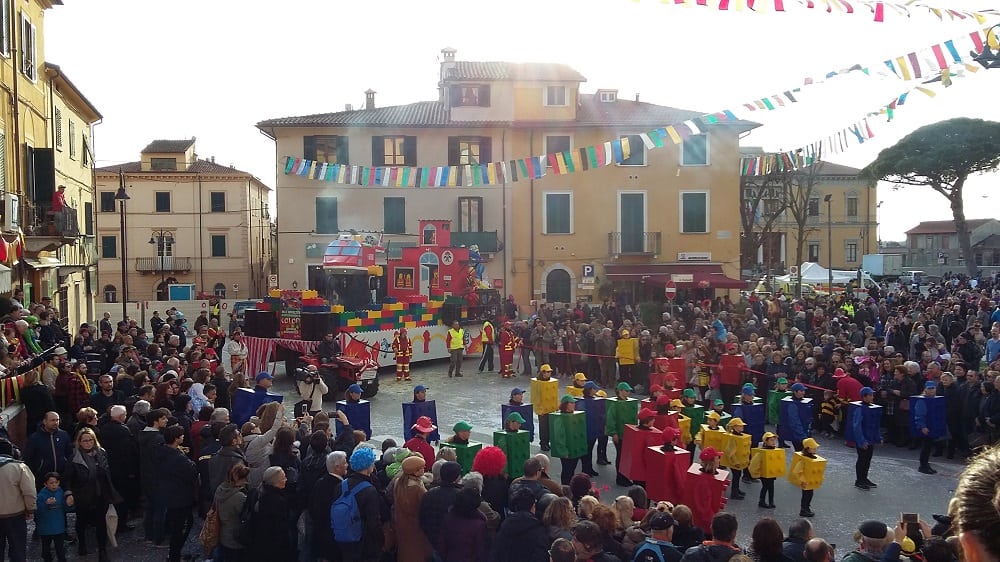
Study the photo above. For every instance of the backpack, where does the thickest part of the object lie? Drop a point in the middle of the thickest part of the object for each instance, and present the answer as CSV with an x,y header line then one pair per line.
x,y
245,532
648,551
345,517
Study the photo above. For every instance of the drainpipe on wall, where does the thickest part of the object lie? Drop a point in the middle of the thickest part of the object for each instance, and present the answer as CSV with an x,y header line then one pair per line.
x,y
201,238
531,230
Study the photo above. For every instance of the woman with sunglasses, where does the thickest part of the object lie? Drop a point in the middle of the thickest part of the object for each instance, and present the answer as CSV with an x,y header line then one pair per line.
x,y
88,480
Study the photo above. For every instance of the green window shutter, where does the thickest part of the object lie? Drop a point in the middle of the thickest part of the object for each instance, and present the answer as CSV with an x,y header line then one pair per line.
x,y
695,209
378,151
394,215
484,95
410,151
454,152
343,154
218,245
309,148
326,215
557,213
88,218
109,247
485,149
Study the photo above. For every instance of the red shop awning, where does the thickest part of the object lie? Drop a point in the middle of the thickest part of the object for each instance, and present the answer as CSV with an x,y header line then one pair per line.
x,y
684,276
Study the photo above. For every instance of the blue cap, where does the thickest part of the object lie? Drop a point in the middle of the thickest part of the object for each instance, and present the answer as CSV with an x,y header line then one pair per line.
x,y
419,388
362,458
591,385
355,388
798,386
930,384
865,391
749,388
263,375
516,391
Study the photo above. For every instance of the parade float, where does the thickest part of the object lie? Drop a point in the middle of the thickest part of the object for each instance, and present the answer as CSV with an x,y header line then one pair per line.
x,y
367,304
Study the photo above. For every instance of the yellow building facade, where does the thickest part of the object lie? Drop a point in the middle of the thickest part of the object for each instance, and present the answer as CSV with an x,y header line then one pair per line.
x,y
45,132
669,214
188,221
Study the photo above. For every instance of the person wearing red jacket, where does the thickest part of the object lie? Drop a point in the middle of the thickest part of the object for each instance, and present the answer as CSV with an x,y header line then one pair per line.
x,y
489,337
731,367
402,346
509,342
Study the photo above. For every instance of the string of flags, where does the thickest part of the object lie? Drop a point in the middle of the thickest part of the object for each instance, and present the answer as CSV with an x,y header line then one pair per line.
x,y
932,63
877,8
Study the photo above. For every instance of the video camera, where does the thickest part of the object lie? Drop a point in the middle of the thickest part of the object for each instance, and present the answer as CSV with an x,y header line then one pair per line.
x,y
305,375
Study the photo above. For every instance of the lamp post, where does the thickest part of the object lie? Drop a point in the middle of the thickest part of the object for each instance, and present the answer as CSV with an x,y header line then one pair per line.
x,y
829,240
161,238
122,197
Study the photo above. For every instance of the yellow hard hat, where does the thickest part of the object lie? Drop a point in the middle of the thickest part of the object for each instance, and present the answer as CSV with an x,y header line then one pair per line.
x,y
713,415
767,435
579,377
737,421
545,367
809,443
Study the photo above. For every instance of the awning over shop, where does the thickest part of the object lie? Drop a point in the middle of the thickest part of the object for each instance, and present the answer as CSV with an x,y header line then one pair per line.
x,y
42,263
6,285
684,276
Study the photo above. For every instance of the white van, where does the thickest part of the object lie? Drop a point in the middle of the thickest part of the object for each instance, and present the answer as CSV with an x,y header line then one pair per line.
x,y
911,277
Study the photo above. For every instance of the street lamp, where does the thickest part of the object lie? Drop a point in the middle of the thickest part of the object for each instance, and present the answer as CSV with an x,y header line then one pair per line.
x,y
161,238
829,241
122,197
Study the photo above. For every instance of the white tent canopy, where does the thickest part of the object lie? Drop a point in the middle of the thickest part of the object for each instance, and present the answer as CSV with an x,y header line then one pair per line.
x,y
816,274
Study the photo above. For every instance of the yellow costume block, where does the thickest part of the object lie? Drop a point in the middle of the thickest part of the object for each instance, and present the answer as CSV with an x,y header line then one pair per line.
x,y
736,450
767,463
575,391
684,424
807,473
711,438
544,396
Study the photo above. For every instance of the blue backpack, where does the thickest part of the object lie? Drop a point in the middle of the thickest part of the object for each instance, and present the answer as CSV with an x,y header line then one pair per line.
x,y
345,517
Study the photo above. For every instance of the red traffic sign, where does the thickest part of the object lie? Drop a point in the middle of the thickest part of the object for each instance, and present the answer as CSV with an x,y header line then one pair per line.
x,y
670,290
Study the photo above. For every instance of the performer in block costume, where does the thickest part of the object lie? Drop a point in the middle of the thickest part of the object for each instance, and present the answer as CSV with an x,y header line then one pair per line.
x,y
807,473
568,430
420,406
683,423
751,410
621,409
246,402
635,441
655,391
767,462
576,389
736,446
420,433
517,404
705,488
515,443
545,400
927,422
774,398
666,467
711,433
594,407
796,416
358,411
719,407
677,364
731,368
465,450
864,420
669,386
509,342
694,411
664,416
402,346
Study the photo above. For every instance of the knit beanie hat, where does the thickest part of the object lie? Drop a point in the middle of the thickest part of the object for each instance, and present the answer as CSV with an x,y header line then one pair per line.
x,y
362,458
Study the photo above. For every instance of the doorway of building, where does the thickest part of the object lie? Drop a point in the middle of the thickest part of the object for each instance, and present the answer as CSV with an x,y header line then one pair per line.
x,y
557,286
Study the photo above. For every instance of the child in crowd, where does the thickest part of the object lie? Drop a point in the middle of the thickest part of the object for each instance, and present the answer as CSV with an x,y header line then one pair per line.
x,y
828,413
50,518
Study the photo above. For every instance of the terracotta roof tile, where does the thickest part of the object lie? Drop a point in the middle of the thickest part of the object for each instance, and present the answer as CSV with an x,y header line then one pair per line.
x,y
164,145
528,71
199,167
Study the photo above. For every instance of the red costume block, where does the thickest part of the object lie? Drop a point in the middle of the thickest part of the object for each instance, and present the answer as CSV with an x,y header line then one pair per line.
x,y
665,473
634,444
671,419
705,494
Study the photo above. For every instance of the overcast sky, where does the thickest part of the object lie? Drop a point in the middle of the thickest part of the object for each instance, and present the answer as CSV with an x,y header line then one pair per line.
x,y
212,69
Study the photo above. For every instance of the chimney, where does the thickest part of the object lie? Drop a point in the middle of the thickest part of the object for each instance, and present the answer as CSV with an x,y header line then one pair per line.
x,y
449,54
637,96
348,107
212,159
370,98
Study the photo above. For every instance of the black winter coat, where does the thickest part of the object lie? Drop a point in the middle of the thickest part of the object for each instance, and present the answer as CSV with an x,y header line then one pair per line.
x,y
177,478
434,507
150,443
92,489
37,400
271,540
374,512
320,499
521,538
122,449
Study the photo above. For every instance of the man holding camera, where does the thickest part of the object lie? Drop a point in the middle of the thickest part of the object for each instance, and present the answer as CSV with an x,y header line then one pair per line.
x,y
311,388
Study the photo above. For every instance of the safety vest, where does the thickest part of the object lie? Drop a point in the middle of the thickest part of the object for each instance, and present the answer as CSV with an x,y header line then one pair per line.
x,y
456,338
488,332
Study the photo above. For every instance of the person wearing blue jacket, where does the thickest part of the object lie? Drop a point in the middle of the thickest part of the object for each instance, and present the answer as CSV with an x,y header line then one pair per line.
x,y
50,517
796,427
921,424
864,441
48,449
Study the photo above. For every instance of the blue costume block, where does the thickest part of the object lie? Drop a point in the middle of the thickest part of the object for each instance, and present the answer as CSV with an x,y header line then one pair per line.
x,y
526,412
753,415
796,419
926,411
596,409
863,424
359,415
246,402
413,410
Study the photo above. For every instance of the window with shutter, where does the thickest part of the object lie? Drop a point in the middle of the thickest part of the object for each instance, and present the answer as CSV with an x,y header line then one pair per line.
x,y
394,215
218,245
694,151
558,213
328,149
470,214
29,60
107,201
637,151
694,212
5,32
72,140
109,246
57,122
162,203
394,151
326,215
88,218
217,202
3,157
469,95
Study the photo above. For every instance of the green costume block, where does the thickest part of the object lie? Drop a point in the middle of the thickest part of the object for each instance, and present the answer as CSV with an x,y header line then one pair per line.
x,y
517,446
568,434
466,453
697,415
774,398
619,413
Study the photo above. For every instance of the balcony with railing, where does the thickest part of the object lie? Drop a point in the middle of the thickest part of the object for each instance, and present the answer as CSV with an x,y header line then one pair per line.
x,y
167,264
45,230
634,243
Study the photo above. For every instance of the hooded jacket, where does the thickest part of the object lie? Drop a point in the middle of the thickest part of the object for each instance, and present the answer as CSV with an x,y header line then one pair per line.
x,y
221,462
230,500
150,440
